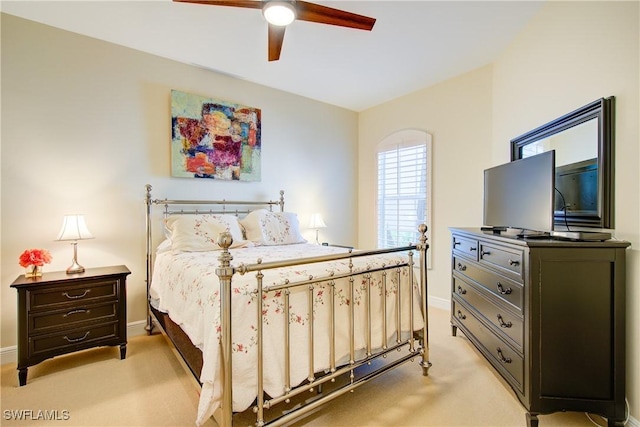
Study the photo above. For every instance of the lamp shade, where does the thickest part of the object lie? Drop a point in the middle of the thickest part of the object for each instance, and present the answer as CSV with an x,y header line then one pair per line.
x,y
74,228
316,221
279,13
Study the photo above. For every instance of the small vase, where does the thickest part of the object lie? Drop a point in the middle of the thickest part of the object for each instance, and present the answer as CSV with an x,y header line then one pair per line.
x,y
33,271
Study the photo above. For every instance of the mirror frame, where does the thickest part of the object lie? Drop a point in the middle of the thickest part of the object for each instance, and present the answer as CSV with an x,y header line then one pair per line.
x,y
603,110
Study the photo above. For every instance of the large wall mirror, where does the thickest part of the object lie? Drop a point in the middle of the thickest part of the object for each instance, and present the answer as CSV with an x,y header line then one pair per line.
x,y
583,140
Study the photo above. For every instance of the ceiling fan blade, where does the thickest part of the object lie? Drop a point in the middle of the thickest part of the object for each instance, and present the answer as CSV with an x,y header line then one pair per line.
x,y
251,4
327,15
276,37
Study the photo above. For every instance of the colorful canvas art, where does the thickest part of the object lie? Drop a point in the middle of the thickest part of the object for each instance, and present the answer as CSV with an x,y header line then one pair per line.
x,y
214,139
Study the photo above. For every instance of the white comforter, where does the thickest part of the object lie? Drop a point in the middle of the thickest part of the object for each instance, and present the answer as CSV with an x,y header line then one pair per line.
x,y
185,286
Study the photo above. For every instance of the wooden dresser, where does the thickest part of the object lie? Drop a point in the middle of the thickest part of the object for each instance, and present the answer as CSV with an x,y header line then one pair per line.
x,y
60,313
549,315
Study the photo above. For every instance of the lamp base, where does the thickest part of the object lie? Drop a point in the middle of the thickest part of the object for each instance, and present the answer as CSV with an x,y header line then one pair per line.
x,y
75,268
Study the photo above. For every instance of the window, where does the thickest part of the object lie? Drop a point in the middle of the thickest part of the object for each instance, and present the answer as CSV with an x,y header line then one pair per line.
x,y
403,187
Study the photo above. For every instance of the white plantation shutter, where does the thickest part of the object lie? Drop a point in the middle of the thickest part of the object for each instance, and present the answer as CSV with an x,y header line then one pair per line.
x,y
403,167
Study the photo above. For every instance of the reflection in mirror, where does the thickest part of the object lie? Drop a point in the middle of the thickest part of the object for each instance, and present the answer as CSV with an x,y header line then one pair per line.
x,y
584,181
573,145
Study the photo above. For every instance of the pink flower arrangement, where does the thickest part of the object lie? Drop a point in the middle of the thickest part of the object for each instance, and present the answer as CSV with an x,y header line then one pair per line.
x,y
37,257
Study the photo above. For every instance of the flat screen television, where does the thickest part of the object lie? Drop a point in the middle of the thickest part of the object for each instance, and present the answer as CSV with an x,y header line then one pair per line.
x,y
520,195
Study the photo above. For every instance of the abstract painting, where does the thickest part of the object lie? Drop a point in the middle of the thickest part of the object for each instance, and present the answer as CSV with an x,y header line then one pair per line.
x,y
214,139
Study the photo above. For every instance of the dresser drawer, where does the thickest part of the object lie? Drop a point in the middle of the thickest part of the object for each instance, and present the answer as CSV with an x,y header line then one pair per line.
x,y
80,293
72,316
75,339
464,246
506,289
505,322
506,260
506,360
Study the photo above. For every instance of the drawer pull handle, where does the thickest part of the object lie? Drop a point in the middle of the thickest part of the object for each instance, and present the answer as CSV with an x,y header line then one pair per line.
x,y
473,249
483,253
455,243
502,358
78,311
84,294
461,267
502,323
514,262
72,340
461,291
502,290
461,316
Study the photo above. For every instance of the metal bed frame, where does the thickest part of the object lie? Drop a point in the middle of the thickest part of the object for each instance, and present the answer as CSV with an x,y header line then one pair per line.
x,y
416,345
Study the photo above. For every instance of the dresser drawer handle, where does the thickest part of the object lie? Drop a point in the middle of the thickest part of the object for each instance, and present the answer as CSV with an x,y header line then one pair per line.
x,y
78,311
514,262
502,323
455,243
473,249
483,253
461,291
502,290
461,316
461,267
86,291
502,358
72,340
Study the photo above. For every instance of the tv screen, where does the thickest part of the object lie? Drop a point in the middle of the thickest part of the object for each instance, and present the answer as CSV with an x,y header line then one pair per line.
x,y
520,194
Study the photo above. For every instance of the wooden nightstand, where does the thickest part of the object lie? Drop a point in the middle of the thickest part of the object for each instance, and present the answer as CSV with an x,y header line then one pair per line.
x,y
60,313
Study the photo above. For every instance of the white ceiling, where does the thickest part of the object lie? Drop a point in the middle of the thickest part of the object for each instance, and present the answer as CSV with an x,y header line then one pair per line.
x,y
413,45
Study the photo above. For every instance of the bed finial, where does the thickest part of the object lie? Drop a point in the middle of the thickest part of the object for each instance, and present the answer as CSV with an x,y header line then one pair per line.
x,y
281,201
148,196
422,228
225,240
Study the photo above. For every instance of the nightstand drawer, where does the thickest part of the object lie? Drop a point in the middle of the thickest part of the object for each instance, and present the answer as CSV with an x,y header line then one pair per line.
x,y
72,316
76,338
80,293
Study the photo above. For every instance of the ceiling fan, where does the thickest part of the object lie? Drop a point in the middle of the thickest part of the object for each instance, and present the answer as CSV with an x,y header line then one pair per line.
x,y
279,14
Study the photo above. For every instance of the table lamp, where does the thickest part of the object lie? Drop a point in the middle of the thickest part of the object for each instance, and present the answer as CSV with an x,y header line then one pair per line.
x,y
74,229
316,223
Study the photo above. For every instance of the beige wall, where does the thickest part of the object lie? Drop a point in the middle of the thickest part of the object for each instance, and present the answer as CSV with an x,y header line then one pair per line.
x,y
457,113
86,124
570,54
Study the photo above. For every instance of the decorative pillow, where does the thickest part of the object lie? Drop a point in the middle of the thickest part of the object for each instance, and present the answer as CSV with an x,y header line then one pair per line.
x,y
195,233
263,227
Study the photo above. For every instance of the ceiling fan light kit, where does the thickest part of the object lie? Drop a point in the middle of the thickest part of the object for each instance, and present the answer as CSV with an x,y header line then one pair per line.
x,y
279,13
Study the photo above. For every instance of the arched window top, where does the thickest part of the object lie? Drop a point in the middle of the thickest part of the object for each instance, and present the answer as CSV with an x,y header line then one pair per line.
x,y
404,138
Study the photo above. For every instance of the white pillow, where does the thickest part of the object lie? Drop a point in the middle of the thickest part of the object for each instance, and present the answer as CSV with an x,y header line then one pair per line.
x,y
263,227
195,233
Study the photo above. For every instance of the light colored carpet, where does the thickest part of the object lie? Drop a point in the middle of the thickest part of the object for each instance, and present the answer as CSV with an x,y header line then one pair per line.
x,y
151,388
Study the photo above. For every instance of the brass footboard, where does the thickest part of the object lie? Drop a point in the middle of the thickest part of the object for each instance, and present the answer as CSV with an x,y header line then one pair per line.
x,y
414,347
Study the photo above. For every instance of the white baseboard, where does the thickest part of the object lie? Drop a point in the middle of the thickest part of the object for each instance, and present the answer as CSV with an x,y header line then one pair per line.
x,y
10,354
437,302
